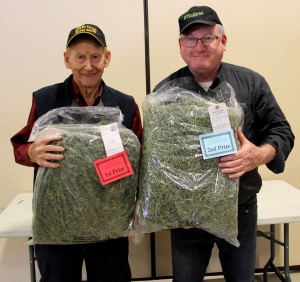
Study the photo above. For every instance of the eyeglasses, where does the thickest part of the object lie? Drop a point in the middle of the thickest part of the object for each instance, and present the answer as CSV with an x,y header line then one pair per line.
x,y
207,41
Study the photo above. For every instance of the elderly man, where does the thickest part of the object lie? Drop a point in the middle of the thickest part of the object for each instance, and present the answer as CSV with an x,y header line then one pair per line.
x,y
86,56
266,139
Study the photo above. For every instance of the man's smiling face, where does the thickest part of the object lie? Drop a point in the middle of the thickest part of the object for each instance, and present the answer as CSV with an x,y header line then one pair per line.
x,y
87,60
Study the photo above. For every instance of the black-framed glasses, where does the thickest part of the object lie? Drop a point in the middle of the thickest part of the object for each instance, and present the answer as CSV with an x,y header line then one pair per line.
x,y
207,41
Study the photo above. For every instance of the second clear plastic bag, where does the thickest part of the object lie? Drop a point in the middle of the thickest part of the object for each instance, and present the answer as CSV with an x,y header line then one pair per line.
x,y
178,188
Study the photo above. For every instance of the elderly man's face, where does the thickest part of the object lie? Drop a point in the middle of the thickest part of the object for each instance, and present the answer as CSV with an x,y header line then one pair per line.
x,y
87,60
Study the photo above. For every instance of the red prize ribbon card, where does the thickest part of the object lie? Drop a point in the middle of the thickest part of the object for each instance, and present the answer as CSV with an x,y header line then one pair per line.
x,y
113,168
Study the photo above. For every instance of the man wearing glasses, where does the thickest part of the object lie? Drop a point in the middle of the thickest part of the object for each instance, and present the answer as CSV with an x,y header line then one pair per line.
x,y
266,139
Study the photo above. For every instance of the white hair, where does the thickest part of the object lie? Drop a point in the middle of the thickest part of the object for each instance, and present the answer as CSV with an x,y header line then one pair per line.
x,y
221,29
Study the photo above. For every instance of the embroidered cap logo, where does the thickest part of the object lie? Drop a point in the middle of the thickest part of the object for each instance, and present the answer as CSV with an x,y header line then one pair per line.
x,y
195,14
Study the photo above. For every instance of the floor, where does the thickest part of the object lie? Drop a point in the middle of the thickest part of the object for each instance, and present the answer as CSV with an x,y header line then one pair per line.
x,y
295,276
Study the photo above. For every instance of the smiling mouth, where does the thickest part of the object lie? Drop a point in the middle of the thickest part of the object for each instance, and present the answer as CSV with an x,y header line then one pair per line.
x,y
88,75
200,55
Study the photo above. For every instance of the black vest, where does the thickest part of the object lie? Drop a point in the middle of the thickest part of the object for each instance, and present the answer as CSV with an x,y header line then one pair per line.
x,y
60,95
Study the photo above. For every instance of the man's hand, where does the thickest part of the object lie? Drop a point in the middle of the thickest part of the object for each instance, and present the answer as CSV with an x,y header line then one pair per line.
x,y
247,158
43,154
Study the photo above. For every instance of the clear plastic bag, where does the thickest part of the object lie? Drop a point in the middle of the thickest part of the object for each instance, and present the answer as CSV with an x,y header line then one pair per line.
x,y
74,115
70,205
177,187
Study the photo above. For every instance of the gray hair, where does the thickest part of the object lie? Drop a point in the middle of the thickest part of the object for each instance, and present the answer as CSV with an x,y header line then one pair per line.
x,y
221,29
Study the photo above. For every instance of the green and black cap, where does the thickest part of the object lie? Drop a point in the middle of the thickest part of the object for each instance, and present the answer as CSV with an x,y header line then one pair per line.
x,y
198,15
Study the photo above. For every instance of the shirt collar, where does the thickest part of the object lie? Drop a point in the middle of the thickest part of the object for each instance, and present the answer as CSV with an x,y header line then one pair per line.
x,y
78,98
218,78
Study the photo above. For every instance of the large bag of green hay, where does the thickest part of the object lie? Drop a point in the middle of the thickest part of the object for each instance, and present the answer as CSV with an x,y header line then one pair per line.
x,y
70,205
178,188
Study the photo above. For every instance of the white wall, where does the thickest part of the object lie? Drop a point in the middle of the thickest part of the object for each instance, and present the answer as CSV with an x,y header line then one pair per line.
x,y
262,35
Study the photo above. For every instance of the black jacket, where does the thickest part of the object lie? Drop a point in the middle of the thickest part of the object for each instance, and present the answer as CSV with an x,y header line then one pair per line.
x,y
264,121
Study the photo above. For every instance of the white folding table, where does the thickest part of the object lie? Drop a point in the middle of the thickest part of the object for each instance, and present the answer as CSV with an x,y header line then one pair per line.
x,y
278,203
16,221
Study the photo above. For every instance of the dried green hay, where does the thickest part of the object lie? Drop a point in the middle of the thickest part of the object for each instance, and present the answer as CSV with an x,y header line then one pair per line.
x,y
177,187
70,204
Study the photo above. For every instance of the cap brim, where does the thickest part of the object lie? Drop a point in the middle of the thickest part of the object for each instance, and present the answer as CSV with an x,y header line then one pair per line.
x,y
197,22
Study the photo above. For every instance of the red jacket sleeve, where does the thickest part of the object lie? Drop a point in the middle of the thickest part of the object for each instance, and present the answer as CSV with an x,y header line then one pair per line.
x,y
20,140
136,125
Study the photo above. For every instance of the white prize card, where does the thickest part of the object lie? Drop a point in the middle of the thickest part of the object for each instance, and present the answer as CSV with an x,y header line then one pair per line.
x,y
219,117
111,139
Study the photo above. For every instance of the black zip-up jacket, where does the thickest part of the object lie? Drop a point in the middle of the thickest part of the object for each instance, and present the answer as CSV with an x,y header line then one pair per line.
x,y
264,121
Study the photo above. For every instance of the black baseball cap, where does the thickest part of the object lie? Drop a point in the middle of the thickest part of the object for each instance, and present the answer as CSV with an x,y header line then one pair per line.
x,y
89,29
198,15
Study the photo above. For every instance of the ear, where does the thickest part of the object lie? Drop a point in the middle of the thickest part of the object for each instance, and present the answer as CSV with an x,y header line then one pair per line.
x,y
66,59
179,42
224,41
180,45
107,58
